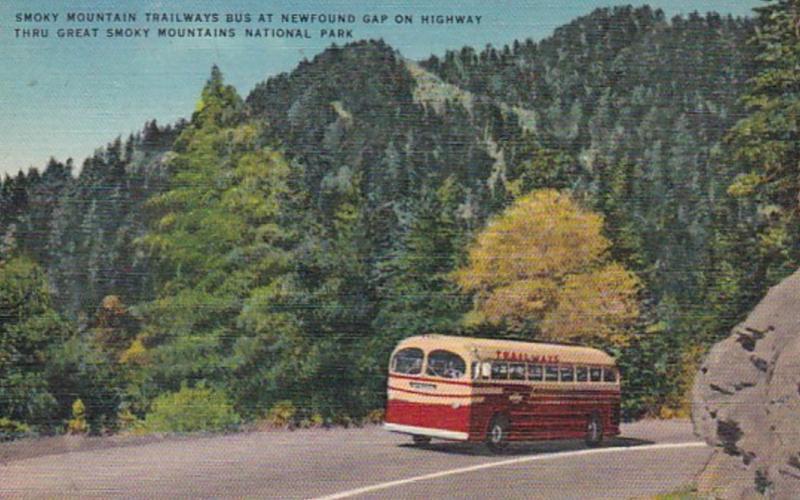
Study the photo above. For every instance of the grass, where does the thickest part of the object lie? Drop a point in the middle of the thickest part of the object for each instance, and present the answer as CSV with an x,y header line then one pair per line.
x,y
688,492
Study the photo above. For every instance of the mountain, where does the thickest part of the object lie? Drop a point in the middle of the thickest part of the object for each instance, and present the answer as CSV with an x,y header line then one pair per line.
x,y
625,88
82,228
392,167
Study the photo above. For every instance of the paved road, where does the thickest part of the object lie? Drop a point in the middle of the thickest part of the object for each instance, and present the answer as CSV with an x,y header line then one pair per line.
x,y
365,463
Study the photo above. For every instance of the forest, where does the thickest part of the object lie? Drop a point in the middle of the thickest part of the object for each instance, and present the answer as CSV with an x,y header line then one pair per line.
x,y
630,182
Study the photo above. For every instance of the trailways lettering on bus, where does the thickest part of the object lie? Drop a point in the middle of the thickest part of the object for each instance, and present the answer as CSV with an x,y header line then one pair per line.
x,y
530,358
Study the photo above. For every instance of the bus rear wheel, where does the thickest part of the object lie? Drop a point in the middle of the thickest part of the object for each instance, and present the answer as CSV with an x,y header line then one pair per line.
x,y
497,436
420,440
594,430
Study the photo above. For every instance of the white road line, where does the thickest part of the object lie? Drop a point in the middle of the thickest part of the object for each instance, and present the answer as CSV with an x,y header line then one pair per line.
x,y
502,463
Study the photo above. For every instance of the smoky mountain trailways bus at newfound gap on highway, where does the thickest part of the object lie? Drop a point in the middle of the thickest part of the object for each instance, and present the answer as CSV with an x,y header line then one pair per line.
x,y
470,389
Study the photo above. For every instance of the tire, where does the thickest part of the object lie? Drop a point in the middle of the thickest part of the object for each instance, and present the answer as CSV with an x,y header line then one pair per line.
x,y
420,440
497,434
594,430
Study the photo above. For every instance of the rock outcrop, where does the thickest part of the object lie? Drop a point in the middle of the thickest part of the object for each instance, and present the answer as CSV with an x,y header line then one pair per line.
x,y
746,402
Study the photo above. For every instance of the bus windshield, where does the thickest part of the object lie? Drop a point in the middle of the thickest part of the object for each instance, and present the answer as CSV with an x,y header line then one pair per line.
x,y
408,361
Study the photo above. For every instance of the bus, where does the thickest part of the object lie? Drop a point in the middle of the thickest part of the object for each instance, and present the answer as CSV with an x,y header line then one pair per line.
x,y
498,391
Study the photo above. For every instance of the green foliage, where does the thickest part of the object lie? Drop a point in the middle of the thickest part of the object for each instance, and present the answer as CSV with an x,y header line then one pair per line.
x,y
77,368
685,493
128,422
375,417
11,429
191,410
220,239
767,141
281,414
418,294
278,248
29,331
80,228
77,424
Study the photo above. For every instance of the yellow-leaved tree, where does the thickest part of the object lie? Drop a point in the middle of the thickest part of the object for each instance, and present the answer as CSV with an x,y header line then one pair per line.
x,y
541,269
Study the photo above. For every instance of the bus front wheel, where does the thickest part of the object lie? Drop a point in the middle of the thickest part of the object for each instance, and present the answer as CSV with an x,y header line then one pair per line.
x,y
594,430
497,437
421,440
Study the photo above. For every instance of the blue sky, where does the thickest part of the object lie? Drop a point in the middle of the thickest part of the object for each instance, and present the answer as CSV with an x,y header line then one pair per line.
x,y
65,97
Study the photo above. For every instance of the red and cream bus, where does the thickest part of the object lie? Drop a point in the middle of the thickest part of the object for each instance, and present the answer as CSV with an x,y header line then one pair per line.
x,y
470,389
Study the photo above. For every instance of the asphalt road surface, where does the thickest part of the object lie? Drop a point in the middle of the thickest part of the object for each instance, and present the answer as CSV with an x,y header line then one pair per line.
x,y
651,457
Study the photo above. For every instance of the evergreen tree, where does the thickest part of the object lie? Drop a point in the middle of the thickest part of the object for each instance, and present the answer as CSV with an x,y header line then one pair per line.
x,y
767,141
29,332
221,248
419,296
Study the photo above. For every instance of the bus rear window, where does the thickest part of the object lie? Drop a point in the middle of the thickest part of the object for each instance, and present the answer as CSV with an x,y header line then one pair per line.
x,y
408,361
551,373
446,364
609,374
500,371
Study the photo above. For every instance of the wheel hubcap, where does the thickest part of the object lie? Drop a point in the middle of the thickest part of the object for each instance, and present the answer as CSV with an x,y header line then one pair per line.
x,y
497,434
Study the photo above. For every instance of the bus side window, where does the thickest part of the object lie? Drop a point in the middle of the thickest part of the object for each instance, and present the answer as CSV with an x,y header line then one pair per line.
x,y
500,371
567,374
535,373
595,374
517,371
551,373
481,370
609,374
581,374
486,370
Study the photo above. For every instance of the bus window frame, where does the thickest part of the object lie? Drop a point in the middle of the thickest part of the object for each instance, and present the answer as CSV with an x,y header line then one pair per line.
x,y
422,365
524,371
426,363
561,369
541,372
498,364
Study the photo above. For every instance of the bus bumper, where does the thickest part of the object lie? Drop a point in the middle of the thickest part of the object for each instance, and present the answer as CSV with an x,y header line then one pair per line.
x,y
426,431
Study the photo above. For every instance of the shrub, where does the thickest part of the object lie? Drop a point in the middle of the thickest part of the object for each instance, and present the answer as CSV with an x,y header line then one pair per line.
x,y
281,414
11,429
375,417
77,424
307,419
128,422
191,410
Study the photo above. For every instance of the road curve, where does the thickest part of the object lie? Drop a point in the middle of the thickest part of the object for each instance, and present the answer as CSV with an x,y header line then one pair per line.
x,y
651,457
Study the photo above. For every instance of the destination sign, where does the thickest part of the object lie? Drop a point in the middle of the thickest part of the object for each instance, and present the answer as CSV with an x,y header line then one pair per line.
x,y
523,356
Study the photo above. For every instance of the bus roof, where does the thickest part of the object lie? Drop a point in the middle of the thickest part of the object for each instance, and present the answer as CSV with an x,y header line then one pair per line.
x,y
486,349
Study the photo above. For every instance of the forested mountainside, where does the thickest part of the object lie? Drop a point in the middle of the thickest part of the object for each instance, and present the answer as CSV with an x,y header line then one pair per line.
x,y
638,101
272,249
81,229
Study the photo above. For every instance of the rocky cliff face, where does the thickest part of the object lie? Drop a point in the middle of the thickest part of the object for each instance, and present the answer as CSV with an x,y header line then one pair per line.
x,y
747,402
